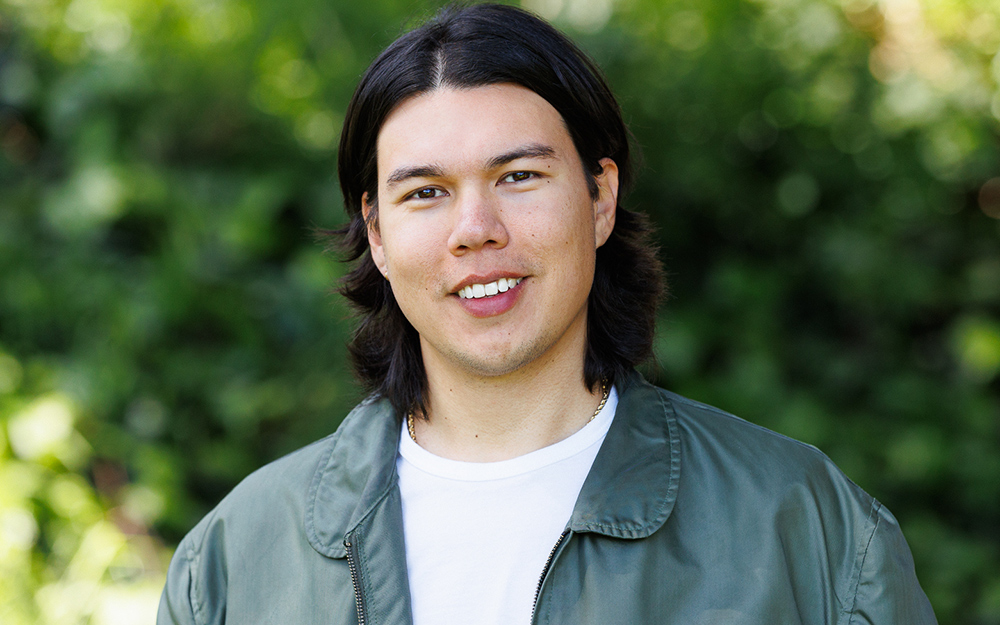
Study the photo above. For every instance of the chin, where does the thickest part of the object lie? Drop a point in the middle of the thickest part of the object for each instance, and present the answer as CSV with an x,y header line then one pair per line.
x,y
501,364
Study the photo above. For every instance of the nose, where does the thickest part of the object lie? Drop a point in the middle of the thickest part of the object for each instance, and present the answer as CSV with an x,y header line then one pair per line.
x,y
478,223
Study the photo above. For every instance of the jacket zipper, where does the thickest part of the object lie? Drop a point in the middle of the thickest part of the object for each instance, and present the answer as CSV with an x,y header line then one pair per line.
x,y
359,599
545,571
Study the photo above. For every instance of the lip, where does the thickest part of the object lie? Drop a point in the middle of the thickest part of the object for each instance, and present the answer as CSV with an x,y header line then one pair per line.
x,y
494,305
483,279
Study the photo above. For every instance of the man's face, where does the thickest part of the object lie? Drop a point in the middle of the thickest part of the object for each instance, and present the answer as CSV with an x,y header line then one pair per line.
x,y
481,191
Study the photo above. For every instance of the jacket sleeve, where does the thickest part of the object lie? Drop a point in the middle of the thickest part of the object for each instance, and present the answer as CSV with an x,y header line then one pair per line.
x,y
177,603
886,588
196,589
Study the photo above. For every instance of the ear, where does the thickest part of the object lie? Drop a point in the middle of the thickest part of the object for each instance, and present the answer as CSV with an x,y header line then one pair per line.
x,y
606,202
374,237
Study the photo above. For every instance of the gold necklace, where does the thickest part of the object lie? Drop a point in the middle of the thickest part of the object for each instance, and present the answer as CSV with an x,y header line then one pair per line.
x,y
605,390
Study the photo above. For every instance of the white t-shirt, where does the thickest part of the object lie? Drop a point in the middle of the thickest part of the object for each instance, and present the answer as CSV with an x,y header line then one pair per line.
x,y
478,534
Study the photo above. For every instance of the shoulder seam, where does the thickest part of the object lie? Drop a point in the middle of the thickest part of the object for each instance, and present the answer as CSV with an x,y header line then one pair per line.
x,y
193,556
874,518
728,415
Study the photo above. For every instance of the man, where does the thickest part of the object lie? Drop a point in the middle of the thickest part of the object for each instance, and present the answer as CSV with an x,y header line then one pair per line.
x,y
509,465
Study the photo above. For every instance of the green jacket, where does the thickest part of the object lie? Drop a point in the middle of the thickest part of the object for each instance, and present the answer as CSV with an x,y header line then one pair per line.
x,y
689,516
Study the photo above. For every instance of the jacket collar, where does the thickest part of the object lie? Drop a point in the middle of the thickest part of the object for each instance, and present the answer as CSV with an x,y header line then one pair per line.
x,y
632,485
355,473
629,492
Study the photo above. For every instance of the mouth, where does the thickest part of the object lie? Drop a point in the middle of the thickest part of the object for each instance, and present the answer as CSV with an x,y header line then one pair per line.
x,y
488,289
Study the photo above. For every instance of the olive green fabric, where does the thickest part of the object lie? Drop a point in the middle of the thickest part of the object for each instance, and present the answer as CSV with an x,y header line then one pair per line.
x,y
689,516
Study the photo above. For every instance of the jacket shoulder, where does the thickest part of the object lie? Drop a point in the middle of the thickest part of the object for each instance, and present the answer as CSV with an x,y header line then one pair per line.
x,y
748,476
285,483
265,509
750,448
265,518
753,477
280,485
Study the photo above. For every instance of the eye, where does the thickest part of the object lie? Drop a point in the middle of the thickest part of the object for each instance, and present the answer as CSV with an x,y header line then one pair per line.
x,y
427,193
518,176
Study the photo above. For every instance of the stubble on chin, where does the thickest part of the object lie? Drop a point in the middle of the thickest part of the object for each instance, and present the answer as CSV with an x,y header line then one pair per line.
x,y
505,359
502,364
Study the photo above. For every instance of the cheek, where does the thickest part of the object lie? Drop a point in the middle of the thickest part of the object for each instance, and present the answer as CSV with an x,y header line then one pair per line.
x,y
574,229
573,236
413,265
406,244
410,265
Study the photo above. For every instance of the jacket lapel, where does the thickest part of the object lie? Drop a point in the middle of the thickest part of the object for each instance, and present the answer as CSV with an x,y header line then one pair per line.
x,y
354,500
632,486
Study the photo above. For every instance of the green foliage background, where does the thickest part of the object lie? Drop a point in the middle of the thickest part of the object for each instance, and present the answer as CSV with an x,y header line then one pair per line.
x,y
825,175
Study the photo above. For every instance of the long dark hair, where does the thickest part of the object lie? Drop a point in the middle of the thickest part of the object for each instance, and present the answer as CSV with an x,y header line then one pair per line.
x,y
473,46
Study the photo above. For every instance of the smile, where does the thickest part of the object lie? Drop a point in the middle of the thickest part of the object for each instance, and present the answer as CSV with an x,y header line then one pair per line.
x,y
476,291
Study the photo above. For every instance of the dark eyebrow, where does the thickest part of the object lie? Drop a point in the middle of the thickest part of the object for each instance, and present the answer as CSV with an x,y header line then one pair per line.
x,y
533,150
419,171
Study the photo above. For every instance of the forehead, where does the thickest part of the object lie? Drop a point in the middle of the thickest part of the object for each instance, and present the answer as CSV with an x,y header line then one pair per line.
x,y
457,128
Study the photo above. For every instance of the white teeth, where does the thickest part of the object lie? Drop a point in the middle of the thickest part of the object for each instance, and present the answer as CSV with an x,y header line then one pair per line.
x,y
488,290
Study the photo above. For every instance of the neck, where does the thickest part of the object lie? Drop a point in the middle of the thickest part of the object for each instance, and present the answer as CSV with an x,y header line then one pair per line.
x,y
486,419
